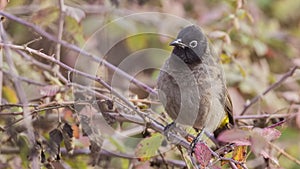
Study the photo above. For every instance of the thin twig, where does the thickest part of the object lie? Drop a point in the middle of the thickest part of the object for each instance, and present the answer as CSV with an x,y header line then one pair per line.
x,y
44,107
9,105
34,61
163,159
273,86
264,116
102,96
29,81
285,153
60,32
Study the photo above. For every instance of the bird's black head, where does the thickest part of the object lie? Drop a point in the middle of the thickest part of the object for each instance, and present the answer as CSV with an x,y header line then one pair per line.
x,y
190,45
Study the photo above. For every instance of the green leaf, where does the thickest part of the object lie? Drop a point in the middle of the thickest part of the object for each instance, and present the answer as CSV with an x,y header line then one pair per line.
x,y
23,144
74,30
137,42
260,48
51,13
75,13
148,147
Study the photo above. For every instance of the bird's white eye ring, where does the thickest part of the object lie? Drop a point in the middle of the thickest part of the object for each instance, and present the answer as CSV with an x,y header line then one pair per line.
x,y
193,43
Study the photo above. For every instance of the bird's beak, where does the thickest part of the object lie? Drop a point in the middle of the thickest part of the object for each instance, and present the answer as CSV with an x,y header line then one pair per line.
x,y
178,43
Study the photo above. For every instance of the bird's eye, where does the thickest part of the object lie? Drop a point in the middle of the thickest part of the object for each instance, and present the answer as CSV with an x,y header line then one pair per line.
x,y
193,43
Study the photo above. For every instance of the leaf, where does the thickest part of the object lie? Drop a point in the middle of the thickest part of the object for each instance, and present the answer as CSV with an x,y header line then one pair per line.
x,y
67,133
95,137
202,154
237,136
148,147
271,134
240,153
225,58
260,48
56,138
220,35
258,143
241,13
23,144
136,42
10,95
75,13
51,13
49,90
291,96
3,4
242,70
74,30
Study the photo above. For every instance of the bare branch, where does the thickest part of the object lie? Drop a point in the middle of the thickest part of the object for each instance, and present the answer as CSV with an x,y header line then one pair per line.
x,y
60,32
79,50
287,155
273,86
29,81
264,116
21,94
152,124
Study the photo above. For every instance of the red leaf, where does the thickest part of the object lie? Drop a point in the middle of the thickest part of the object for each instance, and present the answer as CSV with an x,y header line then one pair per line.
x,y
202,154
237,136
271,133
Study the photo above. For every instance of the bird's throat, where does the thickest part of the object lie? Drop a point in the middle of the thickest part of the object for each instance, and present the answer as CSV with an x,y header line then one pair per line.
x,y
187,55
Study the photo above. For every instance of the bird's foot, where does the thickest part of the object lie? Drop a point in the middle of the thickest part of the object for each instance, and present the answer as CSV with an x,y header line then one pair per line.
x,y
196,140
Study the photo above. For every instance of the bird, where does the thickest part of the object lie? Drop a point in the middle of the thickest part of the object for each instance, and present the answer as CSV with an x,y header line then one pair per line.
x,y
191,84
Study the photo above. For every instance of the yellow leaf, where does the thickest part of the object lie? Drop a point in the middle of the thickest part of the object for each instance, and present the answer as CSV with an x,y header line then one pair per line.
x,y
10,95
225,59
240,154
242,71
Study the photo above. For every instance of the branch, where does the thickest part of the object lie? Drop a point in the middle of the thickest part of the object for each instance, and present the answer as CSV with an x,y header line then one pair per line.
x,y
86,151
60,31
79,50
86,75
152,124
264,116
29,81
20,92
287,155
273,86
